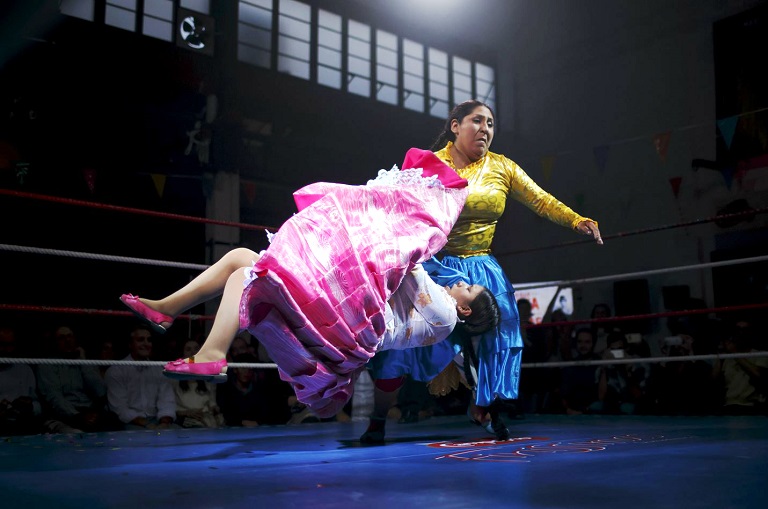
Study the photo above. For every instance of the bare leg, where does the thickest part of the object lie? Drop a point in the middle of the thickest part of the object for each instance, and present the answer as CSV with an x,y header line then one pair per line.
x,y
383,401
209,284
227,322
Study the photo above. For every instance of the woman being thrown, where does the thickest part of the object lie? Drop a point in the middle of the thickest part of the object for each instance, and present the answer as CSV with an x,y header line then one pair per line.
x,y
341,280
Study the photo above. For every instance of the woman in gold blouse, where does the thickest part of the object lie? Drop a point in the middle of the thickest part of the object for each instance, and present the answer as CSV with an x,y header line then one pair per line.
x,y
464,145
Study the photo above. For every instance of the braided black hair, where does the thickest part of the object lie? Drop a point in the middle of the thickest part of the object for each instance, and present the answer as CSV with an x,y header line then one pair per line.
x,y
485,314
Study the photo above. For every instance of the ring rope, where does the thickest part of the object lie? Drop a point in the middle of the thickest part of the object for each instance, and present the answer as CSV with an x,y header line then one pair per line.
x,y
518,286
643,360
723,309
119,208
651,229
95,312
104,312
102,257
191,266
551,364
628,275
99,362
70,201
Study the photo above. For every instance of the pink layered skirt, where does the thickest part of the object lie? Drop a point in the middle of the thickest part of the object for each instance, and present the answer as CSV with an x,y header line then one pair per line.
x,y
317,296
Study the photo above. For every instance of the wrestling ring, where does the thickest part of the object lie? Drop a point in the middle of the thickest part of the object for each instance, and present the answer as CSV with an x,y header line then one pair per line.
x,y
573,461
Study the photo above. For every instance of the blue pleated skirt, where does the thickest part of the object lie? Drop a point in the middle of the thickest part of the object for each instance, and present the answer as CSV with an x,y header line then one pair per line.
x,y
499,351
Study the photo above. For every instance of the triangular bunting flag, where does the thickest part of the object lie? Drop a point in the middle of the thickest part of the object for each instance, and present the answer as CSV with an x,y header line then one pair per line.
x,y
547,162
250,191
661,143
89,174
727,128
675,183
159,181
601,157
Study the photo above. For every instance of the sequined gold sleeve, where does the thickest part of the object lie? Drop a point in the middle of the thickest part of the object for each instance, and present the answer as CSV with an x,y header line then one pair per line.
x,y
492,180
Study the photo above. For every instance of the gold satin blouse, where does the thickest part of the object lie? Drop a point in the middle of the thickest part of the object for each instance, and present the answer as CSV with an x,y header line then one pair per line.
x,y
491,180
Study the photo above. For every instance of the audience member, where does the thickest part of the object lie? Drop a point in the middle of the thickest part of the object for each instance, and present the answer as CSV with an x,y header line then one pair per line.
x,y
196,405
744,381
623,388
20,410
141,396
278,390
579,383
683,387
558,349
240,345
104,351
242,401
533,385
72,394
600,330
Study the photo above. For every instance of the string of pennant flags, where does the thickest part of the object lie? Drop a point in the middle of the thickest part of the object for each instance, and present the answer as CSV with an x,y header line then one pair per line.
x,y
660,141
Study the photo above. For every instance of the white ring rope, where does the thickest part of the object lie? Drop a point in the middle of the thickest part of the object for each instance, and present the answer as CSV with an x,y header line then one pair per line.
x,y
526,286
552,364
518,286
523,286
95,362
90,256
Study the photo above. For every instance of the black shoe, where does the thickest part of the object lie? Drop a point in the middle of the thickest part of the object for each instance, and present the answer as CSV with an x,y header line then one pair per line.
x,y
374,435
499,428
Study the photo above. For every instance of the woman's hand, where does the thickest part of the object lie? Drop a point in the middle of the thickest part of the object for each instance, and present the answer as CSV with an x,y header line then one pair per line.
x,y
590,228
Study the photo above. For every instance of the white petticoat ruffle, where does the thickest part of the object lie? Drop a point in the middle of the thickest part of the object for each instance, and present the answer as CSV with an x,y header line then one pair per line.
x,y
408,177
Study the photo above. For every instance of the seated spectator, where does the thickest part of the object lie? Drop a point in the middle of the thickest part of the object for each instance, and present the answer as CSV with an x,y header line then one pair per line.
x,y
20,410
240,345
73,394
141,396
580,383
623,388
744,380
104,351
558,348
241,400
600,330
196,405
685,387
534,346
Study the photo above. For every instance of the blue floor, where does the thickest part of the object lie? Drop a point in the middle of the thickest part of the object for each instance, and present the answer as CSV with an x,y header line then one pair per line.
x,y
551,462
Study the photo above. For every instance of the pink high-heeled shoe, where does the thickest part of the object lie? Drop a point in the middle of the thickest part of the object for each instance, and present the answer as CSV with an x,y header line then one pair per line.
x,y
188,369
155,319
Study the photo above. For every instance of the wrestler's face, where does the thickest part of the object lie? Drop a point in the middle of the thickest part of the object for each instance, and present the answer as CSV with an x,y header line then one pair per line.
x,y
464,295
474,133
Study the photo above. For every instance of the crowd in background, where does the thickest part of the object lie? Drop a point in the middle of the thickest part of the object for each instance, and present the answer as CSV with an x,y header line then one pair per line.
x,y
70,398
